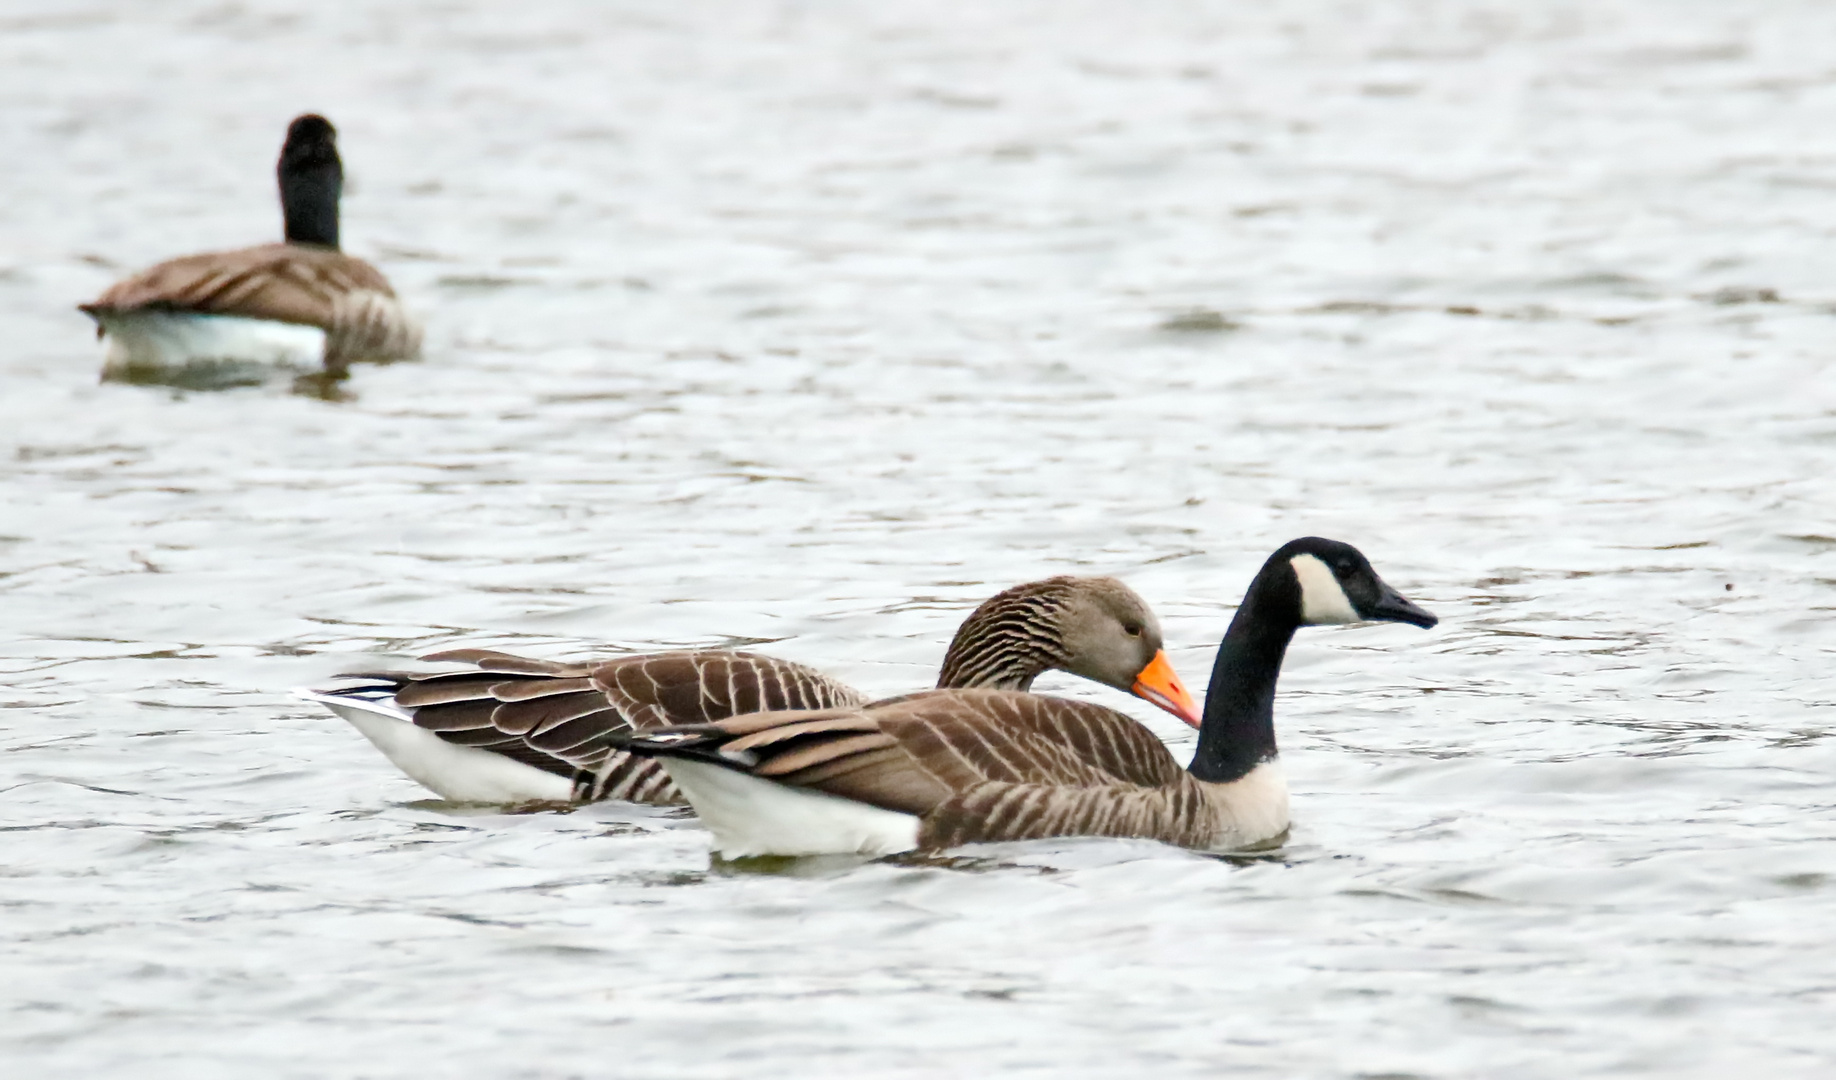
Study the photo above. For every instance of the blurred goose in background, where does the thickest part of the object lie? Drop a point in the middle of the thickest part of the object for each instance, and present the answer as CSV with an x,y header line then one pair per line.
x,y
949,767
508,729
302,303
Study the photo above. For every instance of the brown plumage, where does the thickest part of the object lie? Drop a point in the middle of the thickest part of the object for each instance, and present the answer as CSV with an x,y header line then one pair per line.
x,y
564,718
951,767
288,283
985,765
557,716
1010,635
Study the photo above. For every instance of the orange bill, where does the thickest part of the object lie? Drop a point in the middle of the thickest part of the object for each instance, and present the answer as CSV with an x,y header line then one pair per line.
x,y
1160,684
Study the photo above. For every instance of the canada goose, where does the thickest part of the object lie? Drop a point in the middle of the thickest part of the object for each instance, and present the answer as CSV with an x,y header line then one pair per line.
x,y
951,767
298,303
510,729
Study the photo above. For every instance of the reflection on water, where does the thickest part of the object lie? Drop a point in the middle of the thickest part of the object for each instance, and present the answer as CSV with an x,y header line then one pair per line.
x,y
226,375
806,329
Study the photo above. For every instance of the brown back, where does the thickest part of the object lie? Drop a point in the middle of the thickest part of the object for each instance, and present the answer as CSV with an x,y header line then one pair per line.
x,y
289,283
982,765
561,717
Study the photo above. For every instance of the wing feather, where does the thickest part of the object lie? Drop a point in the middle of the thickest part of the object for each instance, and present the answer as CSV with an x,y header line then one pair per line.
x,y
566,718
441,689
519,718
976,764
825,752
284,282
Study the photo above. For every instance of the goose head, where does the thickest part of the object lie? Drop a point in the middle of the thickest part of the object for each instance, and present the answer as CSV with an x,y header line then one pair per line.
x,y
311,181
1093,627
1111,636
1332,582
1306,582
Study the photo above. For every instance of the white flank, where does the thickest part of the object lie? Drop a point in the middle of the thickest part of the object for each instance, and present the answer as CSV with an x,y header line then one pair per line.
x,y
1323,602
1255,807
146,342
749,815
459,773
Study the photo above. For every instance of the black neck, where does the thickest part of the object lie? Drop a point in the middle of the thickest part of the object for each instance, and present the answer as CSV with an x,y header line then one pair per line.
x,y
1238,732
309,201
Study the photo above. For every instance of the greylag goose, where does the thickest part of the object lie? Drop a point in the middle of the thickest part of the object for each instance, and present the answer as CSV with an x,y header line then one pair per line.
x,y
509,729
299,303
949,767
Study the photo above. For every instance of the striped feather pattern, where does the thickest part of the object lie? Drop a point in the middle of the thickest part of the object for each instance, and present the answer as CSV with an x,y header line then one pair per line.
x,y
443,689
1012,638
561,717
456,715
995,811
531,689
989,765
547,712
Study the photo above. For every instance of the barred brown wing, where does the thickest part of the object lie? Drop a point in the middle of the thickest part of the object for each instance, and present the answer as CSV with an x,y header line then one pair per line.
x,y
561,717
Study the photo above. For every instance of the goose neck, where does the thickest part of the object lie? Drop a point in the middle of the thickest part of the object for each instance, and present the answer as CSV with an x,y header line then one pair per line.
x,y
309,202
1008,664
1238,731
1010,639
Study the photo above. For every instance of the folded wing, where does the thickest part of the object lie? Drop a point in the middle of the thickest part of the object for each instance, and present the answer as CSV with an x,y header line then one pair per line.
x,y
562,718
972,765
283,282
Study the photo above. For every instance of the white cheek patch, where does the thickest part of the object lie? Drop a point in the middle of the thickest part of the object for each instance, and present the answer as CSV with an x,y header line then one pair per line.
x,y
1323,602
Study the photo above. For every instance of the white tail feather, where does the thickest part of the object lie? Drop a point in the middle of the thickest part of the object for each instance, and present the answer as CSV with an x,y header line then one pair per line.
x,y
749,815
459,773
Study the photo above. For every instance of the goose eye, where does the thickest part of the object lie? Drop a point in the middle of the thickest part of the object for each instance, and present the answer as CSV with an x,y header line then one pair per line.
x,y
1132,629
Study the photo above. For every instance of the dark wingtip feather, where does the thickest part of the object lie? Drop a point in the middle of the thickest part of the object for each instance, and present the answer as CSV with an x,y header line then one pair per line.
x,y
697,742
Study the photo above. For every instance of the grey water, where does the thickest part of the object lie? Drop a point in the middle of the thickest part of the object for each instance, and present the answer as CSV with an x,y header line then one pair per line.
x,y
807,325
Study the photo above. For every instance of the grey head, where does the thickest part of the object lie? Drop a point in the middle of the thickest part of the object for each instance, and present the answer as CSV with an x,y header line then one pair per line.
x,y
1093,627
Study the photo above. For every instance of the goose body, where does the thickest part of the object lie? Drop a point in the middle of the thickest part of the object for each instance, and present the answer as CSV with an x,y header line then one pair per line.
x,y
299,304
968,765
511,729
944,768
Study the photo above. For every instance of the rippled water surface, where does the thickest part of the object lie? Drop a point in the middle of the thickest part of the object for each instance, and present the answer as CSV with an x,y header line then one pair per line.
x,y
811,324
